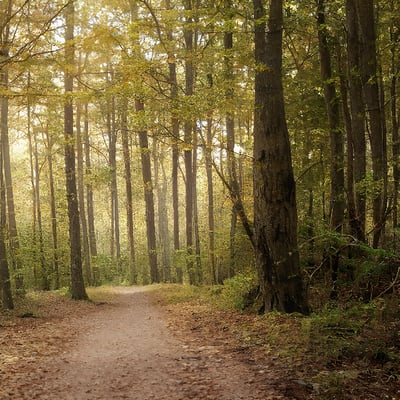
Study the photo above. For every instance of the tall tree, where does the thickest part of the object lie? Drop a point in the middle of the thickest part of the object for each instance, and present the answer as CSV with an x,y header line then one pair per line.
x,y
5,42
357,111
78,291
5,282
370,84
275,213
146,166
188,133
337,204
128,189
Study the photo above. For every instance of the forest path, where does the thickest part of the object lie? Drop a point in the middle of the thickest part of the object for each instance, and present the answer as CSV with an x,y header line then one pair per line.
x,y
125,350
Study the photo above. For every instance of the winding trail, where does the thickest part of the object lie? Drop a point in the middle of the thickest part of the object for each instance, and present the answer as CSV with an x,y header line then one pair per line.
x,y
126,351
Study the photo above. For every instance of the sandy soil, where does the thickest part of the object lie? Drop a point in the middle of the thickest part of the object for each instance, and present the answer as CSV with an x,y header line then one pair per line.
x,y
126,350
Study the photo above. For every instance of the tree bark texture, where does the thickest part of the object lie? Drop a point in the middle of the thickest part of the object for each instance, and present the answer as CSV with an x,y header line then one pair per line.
x,y
78,291
275,213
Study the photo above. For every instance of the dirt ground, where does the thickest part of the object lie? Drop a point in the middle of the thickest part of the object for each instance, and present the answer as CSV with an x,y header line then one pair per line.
x,y
128,348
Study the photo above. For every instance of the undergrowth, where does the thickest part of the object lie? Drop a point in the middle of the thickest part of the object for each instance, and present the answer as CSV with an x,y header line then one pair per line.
x,y
342,350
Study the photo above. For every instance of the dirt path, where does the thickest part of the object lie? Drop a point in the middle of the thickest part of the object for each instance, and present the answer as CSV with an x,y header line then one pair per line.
x,y
125,350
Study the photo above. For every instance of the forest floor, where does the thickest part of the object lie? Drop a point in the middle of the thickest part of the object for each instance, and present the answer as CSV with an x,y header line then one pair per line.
x,y
130,343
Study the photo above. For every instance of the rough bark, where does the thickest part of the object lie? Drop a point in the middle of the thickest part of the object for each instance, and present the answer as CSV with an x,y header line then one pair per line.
x,y
275,213
148,198
357,223
78,291
370,85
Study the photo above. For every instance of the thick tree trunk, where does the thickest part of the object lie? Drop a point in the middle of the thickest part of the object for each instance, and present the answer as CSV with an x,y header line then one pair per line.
x,y
78,291
275,213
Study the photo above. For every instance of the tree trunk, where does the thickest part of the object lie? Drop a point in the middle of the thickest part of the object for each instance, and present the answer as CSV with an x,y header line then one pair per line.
x,y
230,131
337,204
81,197
175,147
357,224
44,273
395,71
78,291
53,211
199,270
11,221
188,152
160,183
89,200
369,79
5,282
210,191
148,198
132,273
275,213
115,246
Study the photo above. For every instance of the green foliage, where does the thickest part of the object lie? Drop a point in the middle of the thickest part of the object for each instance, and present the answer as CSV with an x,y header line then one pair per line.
x,y
238,292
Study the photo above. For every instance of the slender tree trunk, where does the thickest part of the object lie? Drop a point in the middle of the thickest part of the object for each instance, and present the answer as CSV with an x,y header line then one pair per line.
x,y
188,152
357,224
115,247
33,193
81,197
53,212
160,183
78,291
5,281
44,273
129,196
175,148
395,71
199,270
11,221
210,191
230,131
149,198
89,200
337,204
275,213
369,79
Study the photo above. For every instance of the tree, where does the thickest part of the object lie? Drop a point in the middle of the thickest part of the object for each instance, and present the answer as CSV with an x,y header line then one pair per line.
x,y
78,291
5,42
357,143
275,213
337,203
370,85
